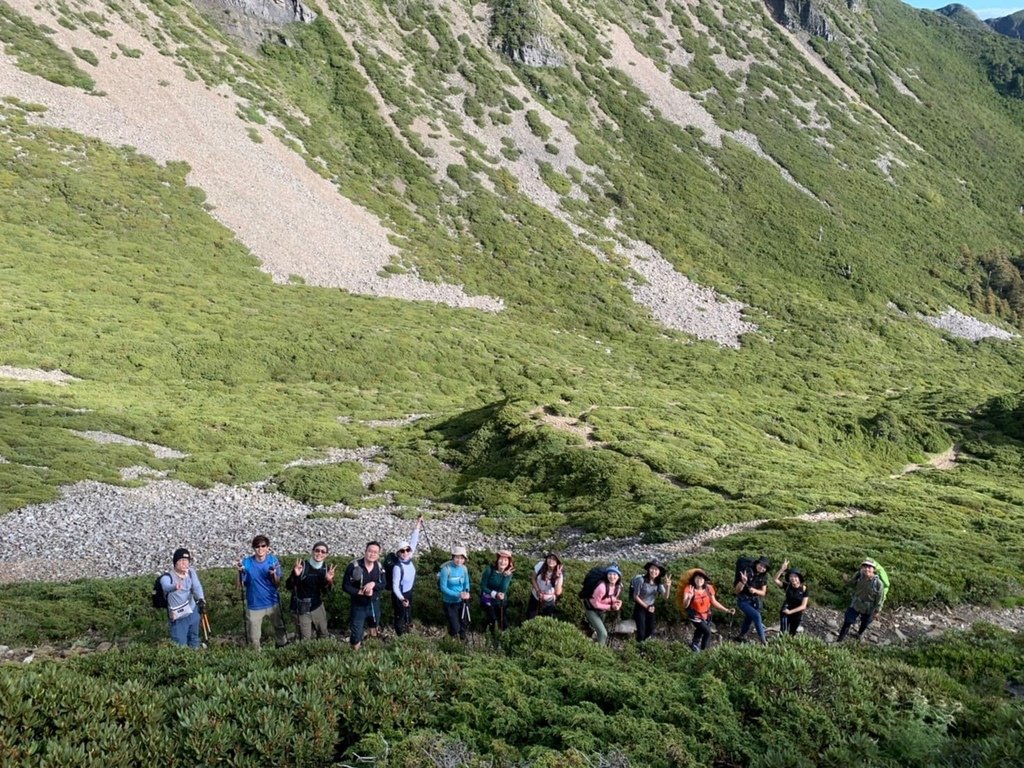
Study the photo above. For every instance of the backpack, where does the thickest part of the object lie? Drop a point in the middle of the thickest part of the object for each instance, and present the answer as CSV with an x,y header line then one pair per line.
x,y
700,603
159,597
744,564
390,562
633,589
884,578
594,577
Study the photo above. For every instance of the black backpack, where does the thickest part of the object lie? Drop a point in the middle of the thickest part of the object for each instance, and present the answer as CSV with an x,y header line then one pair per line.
x,y
594,577
390,562
744,564
159,597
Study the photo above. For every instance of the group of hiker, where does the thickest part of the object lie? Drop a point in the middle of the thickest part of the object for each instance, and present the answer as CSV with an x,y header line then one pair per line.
x,y
367,579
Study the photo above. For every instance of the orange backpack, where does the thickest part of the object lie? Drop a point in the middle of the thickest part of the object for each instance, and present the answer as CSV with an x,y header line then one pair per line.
x,y
700,603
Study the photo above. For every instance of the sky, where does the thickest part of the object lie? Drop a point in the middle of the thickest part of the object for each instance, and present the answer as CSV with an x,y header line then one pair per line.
x,y
986,9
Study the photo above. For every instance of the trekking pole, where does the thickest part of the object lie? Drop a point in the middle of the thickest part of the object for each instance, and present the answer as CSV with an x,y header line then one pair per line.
x,y
426,536
204,622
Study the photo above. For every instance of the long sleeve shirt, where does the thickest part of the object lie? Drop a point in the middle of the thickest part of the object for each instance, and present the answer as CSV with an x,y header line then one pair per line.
x,y
181,591
494,581
453,581
604,596
357,575
403,574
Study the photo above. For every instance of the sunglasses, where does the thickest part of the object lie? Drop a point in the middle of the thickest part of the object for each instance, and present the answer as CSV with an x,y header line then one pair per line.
x,y
262,546
407,549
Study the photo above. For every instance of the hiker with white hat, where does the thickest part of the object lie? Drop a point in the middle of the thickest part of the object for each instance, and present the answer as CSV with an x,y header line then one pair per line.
x,y
868,596
400,574
455,592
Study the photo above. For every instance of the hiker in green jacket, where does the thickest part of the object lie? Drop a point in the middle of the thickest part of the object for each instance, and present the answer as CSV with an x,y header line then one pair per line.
x,y
494,586
868,597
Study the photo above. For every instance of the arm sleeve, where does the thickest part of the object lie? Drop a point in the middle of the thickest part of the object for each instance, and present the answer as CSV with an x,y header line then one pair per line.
x,y
414,540
166,583
396,581
635,586
197,586
601,600
442,583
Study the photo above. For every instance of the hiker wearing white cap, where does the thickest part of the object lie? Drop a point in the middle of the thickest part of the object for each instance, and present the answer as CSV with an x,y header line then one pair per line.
x,y
400,572
455,592
868,596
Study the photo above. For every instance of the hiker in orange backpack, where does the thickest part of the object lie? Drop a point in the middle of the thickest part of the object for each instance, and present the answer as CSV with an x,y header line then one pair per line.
x,y
697,600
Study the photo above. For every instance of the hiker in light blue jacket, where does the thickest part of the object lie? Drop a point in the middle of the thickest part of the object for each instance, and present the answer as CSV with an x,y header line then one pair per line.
x,y
455,592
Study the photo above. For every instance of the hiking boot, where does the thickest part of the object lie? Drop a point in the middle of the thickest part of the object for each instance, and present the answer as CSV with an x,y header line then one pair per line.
x,y
694,647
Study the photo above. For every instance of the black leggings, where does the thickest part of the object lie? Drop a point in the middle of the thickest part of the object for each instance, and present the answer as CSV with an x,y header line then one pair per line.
x,y
790,623
644,621
497,615
701,634
543,608
458,614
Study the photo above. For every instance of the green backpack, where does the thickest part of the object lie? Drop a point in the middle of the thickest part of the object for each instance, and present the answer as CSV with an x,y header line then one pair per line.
x,y
884,578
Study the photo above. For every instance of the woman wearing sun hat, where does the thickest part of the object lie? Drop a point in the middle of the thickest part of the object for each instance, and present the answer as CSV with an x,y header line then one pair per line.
x,y
795,602
494,586
643,590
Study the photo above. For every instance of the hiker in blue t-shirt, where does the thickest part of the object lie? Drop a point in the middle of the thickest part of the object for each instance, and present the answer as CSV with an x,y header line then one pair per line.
x,y
259,575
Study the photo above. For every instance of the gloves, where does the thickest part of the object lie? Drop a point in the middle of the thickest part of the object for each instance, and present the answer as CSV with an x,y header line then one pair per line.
x,y
201,605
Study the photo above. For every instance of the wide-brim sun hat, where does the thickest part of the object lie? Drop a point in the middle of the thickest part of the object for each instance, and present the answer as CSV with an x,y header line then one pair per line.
x,y
868,561
504,553
403,545
457,551
656,563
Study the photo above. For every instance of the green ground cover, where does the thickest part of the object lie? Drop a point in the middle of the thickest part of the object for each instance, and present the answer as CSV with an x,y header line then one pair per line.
x,y
117,274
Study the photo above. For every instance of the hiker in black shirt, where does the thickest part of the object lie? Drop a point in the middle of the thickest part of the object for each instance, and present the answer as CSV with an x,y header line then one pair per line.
x,y
796,599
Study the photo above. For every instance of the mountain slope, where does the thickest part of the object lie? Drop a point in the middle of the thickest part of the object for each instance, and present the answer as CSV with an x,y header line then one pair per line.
x,y
709,239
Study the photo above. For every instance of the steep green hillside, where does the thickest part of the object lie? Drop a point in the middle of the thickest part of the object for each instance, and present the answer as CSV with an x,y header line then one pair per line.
x,y
834,210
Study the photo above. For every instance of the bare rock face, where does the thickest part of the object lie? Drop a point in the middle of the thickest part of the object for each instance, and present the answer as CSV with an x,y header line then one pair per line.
x,y
540,53
255,21
804,15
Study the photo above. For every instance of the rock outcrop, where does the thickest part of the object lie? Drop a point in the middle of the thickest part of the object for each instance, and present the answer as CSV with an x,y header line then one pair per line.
x,y
254,21
803,15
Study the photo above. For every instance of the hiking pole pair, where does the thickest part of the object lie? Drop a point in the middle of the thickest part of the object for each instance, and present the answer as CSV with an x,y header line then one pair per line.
x,y
204,622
